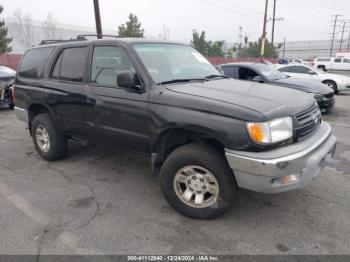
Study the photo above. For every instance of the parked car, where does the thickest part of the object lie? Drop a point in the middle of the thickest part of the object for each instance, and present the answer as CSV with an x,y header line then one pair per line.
x,y
206,134
7,78
266,74
334,81
331,63
298,61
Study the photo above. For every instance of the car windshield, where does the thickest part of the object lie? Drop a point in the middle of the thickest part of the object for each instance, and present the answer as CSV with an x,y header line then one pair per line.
x,y
174,62
269,72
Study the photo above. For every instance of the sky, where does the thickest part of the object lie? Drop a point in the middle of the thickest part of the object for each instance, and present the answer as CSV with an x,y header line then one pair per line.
x,y
220,19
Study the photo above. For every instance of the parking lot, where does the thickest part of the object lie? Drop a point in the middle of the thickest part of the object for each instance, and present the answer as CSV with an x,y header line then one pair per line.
x,y
102,200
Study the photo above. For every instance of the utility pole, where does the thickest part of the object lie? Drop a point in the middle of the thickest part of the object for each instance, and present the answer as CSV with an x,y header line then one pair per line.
x,y
334,26
98,19
284,48
273,23
342,36
262,50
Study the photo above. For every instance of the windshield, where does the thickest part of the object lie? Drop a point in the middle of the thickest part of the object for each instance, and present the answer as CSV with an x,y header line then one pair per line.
x,y
269,72
168,62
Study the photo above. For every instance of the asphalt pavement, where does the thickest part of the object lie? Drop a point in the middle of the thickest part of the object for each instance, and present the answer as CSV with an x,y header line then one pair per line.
x,y
103,200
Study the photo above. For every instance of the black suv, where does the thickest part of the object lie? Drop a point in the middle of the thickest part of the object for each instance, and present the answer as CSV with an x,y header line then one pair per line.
x,y
206,134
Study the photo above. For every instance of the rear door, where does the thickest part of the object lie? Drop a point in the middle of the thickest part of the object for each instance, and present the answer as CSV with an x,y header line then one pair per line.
x,y
115,114
67,82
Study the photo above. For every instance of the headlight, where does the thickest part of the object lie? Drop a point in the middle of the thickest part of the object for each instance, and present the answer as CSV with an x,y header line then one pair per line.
x,y
270,132
317,96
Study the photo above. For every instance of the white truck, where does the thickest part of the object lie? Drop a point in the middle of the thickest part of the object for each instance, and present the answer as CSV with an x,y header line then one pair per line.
x,y
332,63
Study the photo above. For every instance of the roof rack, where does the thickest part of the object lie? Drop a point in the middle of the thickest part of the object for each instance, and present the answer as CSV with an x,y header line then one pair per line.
x,y
83,37
53,41
79,38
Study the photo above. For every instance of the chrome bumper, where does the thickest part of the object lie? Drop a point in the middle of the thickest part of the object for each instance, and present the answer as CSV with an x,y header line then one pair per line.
x,y
285,168
21,114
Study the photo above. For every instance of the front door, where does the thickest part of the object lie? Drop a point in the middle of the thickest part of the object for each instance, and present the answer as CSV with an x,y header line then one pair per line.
x,y
116,115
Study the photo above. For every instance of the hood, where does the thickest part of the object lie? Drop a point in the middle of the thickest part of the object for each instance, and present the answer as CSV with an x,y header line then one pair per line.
x,y
269,100
306,85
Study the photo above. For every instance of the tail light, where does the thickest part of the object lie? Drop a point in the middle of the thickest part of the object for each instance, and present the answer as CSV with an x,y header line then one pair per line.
x,y
13,96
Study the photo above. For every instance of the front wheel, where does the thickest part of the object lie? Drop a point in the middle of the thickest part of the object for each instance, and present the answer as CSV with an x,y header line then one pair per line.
x,y
332,85
197,182
49,142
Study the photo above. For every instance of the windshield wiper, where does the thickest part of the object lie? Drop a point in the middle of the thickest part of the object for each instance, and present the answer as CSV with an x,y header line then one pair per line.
x,y
182,80
216,76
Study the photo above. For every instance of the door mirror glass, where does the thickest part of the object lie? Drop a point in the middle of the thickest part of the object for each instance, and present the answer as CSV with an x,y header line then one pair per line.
x,y
128,79
258,79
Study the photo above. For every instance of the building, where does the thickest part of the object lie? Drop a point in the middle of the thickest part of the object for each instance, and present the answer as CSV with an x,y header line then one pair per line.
x,y
39,33
311,49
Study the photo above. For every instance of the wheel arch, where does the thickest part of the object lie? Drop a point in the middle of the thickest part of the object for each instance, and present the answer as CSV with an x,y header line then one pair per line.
x,y
36,109
170,138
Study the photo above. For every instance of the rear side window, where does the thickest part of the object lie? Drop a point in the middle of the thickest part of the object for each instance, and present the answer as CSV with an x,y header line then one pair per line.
x,y
346,60
33,62
290,69
70,65
231,71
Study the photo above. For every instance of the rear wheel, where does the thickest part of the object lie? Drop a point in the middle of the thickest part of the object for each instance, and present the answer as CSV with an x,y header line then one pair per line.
x,y
49,142
332,85
197,182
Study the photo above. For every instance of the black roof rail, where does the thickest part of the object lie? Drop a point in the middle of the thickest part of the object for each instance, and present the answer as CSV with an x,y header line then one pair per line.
x,y
83,37
53,41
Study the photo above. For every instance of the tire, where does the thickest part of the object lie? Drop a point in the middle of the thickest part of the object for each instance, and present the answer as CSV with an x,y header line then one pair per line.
x,y
43,126
200,157
11,106
322,67
332,85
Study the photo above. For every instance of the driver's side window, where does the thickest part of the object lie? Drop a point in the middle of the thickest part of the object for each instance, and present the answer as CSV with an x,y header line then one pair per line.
x,y
246,74
107,63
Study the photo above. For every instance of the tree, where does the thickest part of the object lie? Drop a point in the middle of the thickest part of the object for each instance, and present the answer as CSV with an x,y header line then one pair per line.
x,y
50,27
199,42
165,34
215,48
24,28
4,40
131,28
207,48
253,50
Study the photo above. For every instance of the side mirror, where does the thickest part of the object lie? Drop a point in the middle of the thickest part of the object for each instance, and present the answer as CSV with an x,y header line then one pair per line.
x,y
128,79
258,79
311,72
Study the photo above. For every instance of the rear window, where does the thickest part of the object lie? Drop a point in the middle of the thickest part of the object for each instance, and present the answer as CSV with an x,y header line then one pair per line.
x,y
70,65
33,62
323,59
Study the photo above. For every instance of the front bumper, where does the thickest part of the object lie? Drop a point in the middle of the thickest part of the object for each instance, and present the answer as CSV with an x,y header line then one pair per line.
x,y
325,103
285,168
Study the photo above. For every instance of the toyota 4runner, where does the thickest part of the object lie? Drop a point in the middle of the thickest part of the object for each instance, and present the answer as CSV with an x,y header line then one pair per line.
x,y
207,135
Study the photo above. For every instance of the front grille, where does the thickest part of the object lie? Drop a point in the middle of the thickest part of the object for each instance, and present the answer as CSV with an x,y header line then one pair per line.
x,y
329,95
306,122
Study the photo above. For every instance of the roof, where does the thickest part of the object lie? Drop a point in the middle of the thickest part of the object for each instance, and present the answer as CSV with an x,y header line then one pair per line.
x,y
107,40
